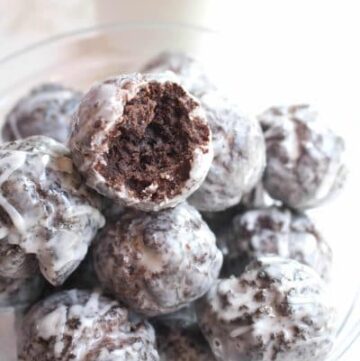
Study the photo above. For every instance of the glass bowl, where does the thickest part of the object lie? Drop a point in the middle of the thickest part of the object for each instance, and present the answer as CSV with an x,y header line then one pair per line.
x,y
79,58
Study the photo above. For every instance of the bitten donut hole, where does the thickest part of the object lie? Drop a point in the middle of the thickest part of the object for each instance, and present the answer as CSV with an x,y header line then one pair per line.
x,y
151,151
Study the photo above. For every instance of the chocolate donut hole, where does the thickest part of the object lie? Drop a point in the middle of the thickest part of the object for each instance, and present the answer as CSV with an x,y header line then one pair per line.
x,y
154,143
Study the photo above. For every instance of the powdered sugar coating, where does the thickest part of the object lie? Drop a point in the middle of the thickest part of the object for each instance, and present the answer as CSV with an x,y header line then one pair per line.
x,y
20,292
277,310
305,160
157,263
47,213
83,326
100,111
46,110
191,73
281,232
183,345
239,155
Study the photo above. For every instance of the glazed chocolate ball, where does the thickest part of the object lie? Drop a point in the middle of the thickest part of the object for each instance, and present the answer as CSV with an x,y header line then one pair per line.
x,y
277,309
142,140
305,160
47,214
239,155
83,326
17,292
281,232
183,345
157,263
190,71
46,110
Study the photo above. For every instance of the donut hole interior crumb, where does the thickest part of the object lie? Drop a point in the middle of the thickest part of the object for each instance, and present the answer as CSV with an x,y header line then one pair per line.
x,y
151,151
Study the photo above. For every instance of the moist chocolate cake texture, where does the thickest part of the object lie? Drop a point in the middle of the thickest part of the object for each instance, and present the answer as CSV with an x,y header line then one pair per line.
x,y
142,140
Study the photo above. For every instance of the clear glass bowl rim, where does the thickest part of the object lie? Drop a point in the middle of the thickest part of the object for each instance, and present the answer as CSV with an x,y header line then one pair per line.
x,y
117,26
